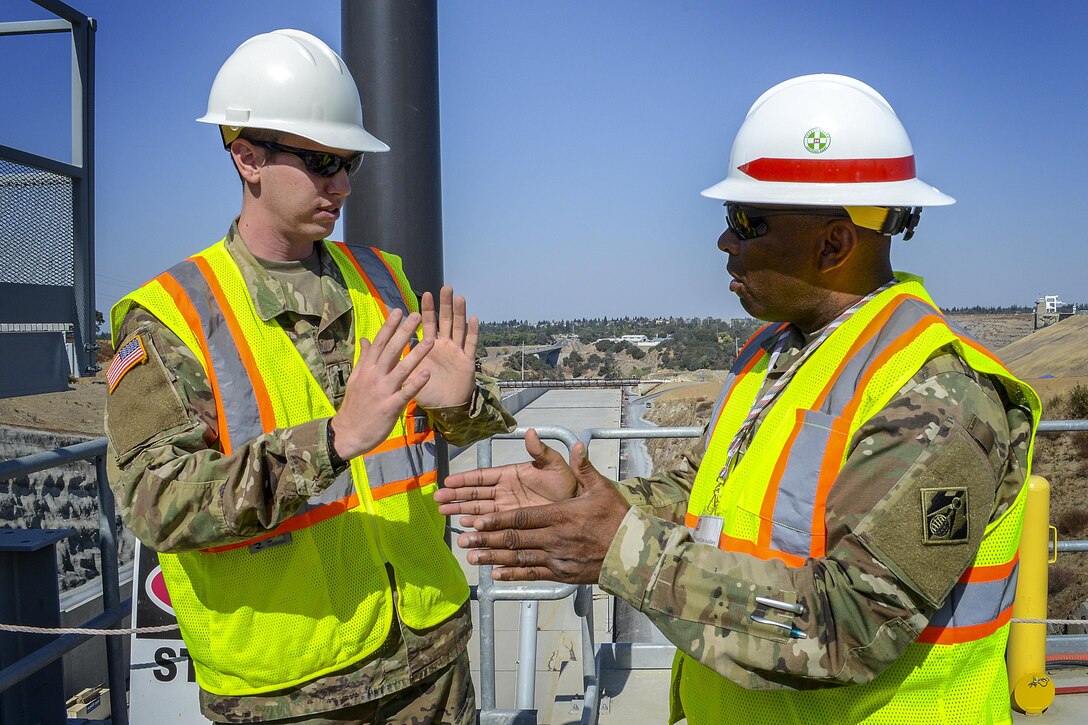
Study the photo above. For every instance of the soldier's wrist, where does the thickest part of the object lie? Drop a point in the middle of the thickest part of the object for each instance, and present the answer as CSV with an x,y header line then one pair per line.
x,y
335,460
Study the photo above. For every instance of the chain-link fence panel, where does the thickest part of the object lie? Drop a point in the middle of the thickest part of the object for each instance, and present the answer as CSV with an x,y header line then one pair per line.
x,y
36,235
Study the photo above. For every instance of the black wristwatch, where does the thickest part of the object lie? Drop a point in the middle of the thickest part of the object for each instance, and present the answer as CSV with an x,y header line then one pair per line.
x,y
330,443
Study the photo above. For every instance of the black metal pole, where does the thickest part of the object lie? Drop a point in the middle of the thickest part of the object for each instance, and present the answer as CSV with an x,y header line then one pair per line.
x,y
391,48
30,597
83,43
117,666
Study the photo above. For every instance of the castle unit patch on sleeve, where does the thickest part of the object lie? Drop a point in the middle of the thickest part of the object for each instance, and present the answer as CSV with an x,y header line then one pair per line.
x,y
129,356
944,515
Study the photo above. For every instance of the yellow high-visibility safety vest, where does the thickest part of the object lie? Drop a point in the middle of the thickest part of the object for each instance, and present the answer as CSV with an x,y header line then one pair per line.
x,y
773,507
312,596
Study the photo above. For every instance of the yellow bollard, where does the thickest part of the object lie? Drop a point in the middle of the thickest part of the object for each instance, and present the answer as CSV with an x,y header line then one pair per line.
x,y
1031,690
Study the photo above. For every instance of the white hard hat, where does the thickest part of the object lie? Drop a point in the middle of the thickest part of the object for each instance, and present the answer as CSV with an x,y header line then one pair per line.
x,y
824,140
290,81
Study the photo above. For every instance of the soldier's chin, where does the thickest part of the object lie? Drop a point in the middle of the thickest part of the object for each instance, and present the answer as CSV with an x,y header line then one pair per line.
x,y
320,229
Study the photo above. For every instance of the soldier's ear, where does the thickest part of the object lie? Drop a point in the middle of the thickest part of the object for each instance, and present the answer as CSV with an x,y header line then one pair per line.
x,y
837,243
247,159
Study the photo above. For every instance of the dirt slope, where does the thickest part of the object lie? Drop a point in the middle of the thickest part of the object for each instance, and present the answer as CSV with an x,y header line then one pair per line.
x,y
78,410
1060,350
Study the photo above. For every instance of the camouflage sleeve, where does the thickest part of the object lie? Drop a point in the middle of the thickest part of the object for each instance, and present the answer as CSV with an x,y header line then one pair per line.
x,y
481,417
665,495
879,583
176,488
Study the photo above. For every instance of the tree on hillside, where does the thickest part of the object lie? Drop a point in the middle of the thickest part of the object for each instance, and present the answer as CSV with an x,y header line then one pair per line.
x,y
703,342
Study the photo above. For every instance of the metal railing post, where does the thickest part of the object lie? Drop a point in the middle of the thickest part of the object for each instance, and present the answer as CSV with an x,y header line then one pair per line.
x,y
529,595
487,639
116,666
527,636
591,695
487,609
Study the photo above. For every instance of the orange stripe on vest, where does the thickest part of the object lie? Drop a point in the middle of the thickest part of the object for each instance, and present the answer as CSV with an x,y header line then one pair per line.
x,y
188,313
394,487
260,391
310,518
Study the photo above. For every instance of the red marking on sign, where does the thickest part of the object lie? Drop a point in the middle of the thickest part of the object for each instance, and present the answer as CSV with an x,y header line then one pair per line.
x,y
156,590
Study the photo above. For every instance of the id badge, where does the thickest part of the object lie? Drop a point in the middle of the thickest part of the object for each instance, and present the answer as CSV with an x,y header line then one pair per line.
x,y
708,530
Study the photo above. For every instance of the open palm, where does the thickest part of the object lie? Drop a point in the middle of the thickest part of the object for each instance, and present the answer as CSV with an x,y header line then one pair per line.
x,y
544,480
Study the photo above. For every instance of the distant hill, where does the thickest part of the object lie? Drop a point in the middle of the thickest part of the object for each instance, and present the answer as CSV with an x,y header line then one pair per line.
x,y
995,330
1060,350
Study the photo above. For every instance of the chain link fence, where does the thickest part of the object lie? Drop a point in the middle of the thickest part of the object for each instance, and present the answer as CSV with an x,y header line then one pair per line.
x,y
37,239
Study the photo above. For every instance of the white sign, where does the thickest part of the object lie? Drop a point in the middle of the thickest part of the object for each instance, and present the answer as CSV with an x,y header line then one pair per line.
x,y
162,686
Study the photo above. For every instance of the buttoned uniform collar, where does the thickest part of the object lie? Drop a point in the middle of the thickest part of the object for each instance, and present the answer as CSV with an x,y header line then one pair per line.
x,y
269,295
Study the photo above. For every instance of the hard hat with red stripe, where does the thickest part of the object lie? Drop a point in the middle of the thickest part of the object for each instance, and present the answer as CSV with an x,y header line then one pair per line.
x,y
824,140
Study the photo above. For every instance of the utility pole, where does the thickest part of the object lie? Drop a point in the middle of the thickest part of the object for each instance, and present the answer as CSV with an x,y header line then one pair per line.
x,y
391,47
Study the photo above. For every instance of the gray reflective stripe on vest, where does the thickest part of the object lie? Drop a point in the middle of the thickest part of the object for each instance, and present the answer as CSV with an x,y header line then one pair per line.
x,y
907,314
795,502
756,345
374,267
400,464
342,487
971,603
752,349
243,414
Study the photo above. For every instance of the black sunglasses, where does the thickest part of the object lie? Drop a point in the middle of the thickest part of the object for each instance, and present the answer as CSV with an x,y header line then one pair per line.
x,y
321,163
747,222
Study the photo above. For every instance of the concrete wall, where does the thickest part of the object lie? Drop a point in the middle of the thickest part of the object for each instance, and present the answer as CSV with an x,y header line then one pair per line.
x,y
64,497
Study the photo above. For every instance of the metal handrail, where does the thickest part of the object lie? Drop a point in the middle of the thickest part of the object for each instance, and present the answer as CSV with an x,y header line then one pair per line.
x,y
114,610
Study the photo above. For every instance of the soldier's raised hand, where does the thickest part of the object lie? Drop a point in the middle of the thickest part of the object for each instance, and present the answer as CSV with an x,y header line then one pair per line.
x,y
380,386
452,363
564,541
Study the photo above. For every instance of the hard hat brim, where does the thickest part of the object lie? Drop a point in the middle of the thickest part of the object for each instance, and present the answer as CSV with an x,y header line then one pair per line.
x,y
910,192
338,136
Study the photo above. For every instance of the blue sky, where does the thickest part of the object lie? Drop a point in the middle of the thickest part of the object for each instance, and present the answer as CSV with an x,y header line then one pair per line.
x,y
577,135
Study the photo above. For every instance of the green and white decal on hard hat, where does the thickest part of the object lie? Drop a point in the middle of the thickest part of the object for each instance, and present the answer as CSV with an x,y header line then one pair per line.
x,y
817,140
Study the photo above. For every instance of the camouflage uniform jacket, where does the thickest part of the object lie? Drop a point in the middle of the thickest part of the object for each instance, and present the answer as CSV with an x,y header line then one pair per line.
x,y
858,602
178,492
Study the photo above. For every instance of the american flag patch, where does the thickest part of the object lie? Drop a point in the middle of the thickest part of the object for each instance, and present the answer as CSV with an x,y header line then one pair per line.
x,y
128,357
